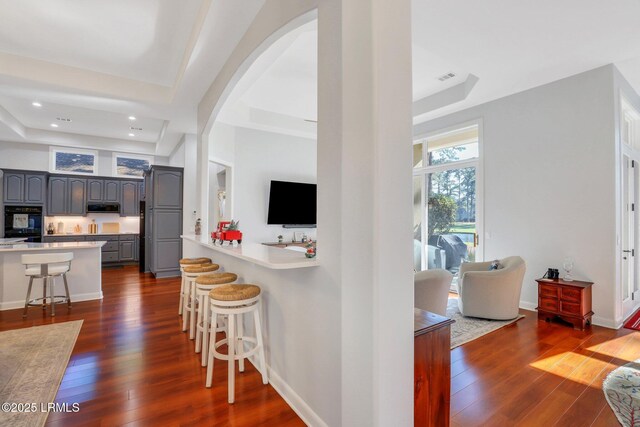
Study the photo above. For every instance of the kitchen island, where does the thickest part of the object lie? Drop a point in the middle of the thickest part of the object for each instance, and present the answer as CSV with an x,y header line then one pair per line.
x,y
85,278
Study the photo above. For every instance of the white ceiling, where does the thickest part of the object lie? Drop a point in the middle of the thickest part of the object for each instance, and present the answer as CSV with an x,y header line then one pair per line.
x,y
98,62
509,46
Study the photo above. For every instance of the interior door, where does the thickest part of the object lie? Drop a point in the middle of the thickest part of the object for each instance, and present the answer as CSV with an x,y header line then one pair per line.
x,y
630,291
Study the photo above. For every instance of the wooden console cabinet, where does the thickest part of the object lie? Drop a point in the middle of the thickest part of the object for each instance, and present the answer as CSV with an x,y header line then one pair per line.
x,y
432,369
570,301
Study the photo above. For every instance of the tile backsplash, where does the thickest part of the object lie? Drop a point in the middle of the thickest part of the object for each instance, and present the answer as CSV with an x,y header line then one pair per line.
x,y
128,224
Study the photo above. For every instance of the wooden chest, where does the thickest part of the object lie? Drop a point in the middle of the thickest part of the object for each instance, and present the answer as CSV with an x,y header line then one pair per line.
x,y
570,301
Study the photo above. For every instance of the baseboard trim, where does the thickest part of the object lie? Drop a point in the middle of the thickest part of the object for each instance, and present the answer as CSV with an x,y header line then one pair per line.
x,y
299,406
526,305
12,305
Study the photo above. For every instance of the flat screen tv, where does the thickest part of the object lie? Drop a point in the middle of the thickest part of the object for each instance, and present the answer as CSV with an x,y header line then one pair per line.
x,y
292,204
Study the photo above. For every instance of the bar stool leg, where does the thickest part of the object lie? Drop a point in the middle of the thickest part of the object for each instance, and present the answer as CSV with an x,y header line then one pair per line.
x,y
240,343
205,330
199,319
44,293
26,302
181,296
66,288
192,315
263,364
231,340
185,307
210,355
53,300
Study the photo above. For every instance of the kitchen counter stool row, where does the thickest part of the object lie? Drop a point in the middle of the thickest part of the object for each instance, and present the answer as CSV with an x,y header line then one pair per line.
x,y
210,303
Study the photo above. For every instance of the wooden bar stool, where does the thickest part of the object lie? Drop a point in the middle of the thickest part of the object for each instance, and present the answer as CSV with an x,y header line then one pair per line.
x,y
235,301
193,262
190,274
47,267
204,285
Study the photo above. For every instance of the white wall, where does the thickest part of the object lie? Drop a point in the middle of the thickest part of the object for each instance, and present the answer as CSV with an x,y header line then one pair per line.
x,y
185,155
22,155
549,181
259,158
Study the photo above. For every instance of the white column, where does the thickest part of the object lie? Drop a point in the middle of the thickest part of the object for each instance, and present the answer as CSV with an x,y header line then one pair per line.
x,y
364,154
202,183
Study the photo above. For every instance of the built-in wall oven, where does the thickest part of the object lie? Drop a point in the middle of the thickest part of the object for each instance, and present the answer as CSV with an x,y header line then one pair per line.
x,y
23,221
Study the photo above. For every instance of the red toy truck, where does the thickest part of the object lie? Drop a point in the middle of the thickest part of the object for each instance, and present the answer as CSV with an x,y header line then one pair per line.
x,y
227,232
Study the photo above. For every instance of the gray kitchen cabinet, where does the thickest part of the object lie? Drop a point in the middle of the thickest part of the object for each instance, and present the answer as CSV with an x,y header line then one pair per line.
x,y
25,188
35,186
129,205
61,239
57,196
163,220
167,188
13,187
111,191
95,187
127,250
77,196
67,196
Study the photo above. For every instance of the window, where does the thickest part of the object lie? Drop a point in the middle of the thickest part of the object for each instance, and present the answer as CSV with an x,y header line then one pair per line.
x,y
73,161
445,199
129,165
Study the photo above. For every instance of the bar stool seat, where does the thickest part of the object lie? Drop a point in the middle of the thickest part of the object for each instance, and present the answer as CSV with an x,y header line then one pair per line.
x,y
47,267
204,284
190,273
183,263
235,300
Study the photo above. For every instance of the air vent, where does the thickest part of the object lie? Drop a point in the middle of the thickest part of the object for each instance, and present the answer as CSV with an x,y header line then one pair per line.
x,y
63,119
446,76
134,128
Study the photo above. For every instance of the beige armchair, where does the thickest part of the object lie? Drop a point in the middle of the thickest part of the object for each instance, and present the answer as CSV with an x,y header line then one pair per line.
x,y
491,294
431,289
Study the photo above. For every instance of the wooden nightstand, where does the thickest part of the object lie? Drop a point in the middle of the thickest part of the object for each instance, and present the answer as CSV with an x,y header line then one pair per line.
x,y
570,301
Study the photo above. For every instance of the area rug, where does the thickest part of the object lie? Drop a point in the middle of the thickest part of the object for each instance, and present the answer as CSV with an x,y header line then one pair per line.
x,y
467,329
622,390
633,322
32,363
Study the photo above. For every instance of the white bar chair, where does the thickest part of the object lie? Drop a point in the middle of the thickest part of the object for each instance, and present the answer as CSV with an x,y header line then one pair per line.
x,y
234,301
189,302
47,267
204,285
186,262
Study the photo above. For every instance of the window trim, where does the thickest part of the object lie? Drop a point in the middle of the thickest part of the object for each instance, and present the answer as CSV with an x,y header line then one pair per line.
x,y
114,163
53,151
477,162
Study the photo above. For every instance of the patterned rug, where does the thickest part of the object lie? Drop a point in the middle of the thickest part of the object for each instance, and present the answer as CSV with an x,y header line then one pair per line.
x,y
32,363
470,328
622,391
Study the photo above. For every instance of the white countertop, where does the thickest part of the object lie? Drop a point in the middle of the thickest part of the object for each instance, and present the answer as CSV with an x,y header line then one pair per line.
x,y
32,246
12,240
266,256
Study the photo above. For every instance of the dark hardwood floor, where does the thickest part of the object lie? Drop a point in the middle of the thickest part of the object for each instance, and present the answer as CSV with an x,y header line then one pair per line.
x,y
132,365
534,373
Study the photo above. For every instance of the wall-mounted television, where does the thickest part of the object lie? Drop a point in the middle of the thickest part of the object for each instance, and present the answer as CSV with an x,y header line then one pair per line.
x,y
292,204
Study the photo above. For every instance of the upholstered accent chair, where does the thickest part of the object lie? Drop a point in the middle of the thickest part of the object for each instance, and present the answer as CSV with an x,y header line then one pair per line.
x,y
431,289
491,294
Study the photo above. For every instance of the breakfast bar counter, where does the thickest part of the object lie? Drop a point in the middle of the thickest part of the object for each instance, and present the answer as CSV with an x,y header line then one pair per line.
x,y
265,256
85,278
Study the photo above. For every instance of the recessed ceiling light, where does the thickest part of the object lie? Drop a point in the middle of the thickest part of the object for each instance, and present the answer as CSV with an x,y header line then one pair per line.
x,y
36,104
131,134
132,118
53,125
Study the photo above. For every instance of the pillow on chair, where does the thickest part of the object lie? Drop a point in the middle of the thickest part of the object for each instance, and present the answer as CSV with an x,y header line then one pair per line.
x,y
495,265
